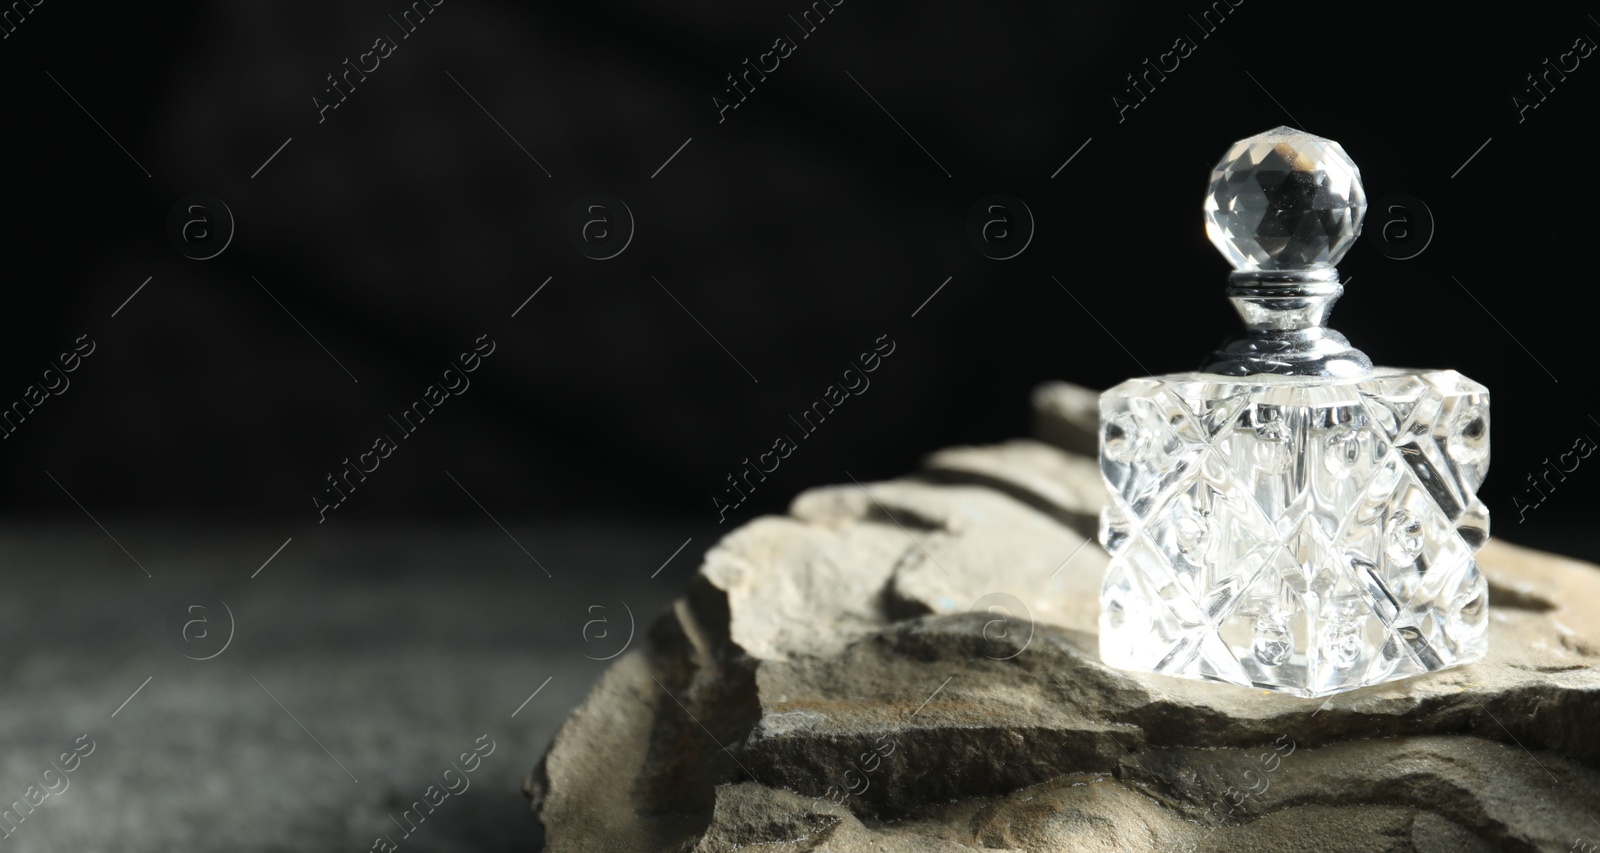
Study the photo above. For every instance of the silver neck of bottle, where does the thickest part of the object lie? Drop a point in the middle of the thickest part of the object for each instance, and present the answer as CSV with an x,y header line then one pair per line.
x,y
1284,312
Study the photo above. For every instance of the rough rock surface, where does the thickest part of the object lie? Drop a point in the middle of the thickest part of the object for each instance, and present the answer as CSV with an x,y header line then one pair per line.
x,y
913,666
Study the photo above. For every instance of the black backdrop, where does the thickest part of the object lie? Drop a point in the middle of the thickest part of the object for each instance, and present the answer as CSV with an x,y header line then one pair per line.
x,y
770,250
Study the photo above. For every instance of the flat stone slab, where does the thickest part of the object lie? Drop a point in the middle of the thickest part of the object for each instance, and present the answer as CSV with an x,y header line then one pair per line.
x,y
913,665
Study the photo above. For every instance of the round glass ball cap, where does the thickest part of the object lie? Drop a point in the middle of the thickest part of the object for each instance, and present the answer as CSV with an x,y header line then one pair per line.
x,y
1284,200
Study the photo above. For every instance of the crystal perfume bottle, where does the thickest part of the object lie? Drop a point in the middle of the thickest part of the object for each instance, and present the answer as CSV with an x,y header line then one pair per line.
x,y
1291,517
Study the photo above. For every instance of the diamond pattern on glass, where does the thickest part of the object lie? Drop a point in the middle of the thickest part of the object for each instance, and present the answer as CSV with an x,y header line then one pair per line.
x,y
1307,536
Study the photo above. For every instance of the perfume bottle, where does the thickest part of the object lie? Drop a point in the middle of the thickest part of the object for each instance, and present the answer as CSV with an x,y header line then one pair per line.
x,y
1290,517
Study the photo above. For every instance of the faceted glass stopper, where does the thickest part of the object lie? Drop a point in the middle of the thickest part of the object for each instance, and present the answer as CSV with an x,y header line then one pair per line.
x,y
1284,200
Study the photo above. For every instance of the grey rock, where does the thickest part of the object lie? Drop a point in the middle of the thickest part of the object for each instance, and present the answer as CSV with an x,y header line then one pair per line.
x,y
1065,486
913,665
784,579
1067,416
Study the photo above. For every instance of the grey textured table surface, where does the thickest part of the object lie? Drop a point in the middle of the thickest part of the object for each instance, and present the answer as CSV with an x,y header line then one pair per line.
x,y
363,663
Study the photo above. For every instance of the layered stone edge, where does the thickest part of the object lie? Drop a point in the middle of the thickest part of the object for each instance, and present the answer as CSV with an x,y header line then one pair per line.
x,y
710,725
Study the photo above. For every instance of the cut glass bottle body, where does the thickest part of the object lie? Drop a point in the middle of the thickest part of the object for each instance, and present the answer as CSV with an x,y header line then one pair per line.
x,y
1302,534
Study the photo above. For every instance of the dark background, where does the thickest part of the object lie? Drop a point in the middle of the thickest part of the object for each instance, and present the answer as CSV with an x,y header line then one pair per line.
x,y
797,231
